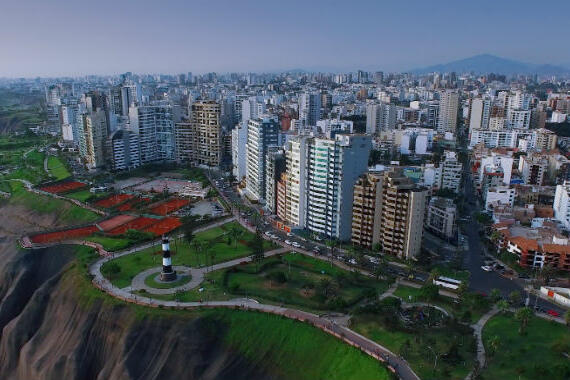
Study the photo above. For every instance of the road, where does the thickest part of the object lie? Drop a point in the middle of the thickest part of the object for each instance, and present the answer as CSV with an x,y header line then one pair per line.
x,y
473,259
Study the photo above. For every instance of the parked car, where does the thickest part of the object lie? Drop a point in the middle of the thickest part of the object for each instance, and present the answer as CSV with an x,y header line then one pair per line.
x,y
288,242
486,268
553,313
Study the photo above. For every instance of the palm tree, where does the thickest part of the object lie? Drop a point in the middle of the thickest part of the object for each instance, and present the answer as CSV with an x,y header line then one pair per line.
x,y
493,345
235,233
523,316
503,306
434,274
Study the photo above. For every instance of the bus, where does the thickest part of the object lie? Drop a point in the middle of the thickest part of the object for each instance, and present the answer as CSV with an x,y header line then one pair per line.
x,y
446,282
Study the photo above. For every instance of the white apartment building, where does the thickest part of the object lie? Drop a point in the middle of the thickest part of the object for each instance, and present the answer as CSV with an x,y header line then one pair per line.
x,y
441,217
562,204
448,108
239,141
499,196
451,170
261,134
296,151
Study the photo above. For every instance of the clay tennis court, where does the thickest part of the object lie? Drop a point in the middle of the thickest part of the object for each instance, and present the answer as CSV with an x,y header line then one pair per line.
x,y
113,200
135,224
164,226
169,206
51,237
115,222
63,187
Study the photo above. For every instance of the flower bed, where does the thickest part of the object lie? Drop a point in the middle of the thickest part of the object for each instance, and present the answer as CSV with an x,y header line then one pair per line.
x,y
51,237
113,200
135,224
169,206
164,226
60,188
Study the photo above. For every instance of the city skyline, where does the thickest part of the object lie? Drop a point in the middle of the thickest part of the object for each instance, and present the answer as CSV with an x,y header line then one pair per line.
x,y
63,38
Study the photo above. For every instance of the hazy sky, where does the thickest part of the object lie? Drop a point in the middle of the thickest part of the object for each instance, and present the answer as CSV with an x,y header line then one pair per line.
x,y
61,37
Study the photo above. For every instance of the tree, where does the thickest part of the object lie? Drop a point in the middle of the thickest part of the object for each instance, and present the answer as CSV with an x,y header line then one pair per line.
x,y
256,246
503,306
434,275
113,269
523,316
429,292
515,297
189,237
493,345
567,318
235,233
495,295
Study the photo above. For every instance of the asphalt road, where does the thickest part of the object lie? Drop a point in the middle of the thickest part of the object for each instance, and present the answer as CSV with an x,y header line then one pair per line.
x,y
473,259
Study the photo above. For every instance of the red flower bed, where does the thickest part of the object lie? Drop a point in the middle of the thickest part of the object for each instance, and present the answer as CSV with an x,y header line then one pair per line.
x,y
135,224
63,187
164,226
63,235
113,200
169,206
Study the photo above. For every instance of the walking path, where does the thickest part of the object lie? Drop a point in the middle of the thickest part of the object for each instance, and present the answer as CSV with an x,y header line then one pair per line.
x,y
478,331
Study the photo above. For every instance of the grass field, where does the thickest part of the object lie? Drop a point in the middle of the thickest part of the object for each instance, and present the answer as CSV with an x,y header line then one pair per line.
x,y
453,344
65,211
30,168
57,169
294,350
215,248
537,355
81,195
111,244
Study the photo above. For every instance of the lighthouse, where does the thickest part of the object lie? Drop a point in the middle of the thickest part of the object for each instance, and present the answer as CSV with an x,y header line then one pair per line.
x,y
167,273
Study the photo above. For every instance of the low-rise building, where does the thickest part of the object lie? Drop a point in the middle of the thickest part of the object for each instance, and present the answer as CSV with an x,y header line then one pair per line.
x,y
441,217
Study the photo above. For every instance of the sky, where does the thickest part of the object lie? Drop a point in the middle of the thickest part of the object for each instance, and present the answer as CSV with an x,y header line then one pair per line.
x,y
71,38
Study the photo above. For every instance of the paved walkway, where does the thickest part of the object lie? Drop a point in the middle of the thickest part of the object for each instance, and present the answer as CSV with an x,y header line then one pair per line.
x,y
478,331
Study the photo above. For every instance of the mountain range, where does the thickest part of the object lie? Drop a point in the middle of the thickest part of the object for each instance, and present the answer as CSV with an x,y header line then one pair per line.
x,y
487,63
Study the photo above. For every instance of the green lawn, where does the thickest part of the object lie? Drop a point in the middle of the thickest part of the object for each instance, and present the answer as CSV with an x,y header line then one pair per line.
x,y
181,280
453,344
65,211
219,251
30,168
57,169
537,355
294,350
81,195
111,244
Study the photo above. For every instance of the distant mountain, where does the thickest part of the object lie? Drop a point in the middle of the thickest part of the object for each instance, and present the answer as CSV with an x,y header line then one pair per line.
x,y
487,63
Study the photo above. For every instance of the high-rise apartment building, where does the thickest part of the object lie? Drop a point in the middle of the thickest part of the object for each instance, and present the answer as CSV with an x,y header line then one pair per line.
x,y
380,117
441,217
274,168
124,150
310,108
155,127
186,141
296,151
451,171
367,210
239,144
206,122
402,218
93,139
448,108
261,134
334,166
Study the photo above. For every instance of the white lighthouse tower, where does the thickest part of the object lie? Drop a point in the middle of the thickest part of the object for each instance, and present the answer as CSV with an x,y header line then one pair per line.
x,y
167,274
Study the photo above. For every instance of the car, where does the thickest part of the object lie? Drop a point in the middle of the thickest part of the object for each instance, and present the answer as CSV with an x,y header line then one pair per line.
x,y
486,268
289,234
318,238
288,242
295,244
553,313
268,233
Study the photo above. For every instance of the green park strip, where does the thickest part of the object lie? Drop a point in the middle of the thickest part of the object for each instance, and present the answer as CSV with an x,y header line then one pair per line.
x,y
441,350
212,246
57,169
30,168
292,279
82,195
269,341
64,211
541,352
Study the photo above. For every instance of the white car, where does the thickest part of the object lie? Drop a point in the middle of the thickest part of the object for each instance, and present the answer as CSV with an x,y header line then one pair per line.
x,y
287,242
289,234
268,233
486,268
295,244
